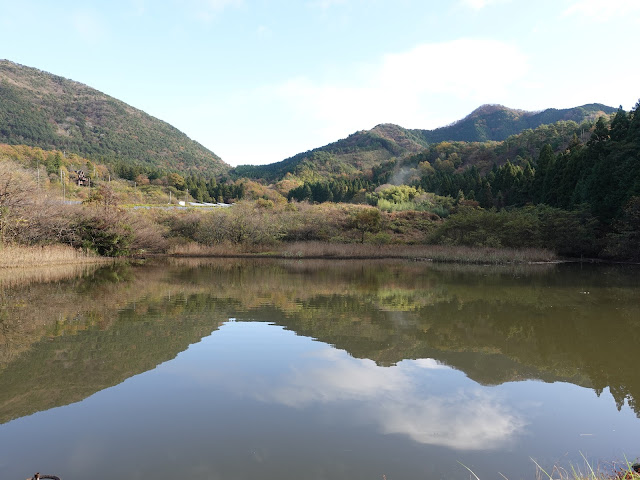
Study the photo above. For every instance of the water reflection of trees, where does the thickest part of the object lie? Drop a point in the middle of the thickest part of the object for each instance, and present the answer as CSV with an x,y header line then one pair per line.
x,y
500,324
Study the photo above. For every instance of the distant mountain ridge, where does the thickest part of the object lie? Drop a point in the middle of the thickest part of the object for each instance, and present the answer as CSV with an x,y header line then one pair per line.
x,y
51,112
44,110
366,149
497,123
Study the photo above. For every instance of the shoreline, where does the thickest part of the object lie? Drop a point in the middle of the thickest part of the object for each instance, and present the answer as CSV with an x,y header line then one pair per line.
x,y
30,257
357,251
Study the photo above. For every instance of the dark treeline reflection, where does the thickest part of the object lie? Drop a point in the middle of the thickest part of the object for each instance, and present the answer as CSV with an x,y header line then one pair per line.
x,y
64,340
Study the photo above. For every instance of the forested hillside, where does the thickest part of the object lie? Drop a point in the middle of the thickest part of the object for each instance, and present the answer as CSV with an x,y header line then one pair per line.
x,y
357,153
572,188
603,173
366,150
51,112
495,122
449,157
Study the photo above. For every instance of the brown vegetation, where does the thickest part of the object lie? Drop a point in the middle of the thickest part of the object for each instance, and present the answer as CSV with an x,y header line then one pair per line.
x,y
33,215
315,249
39,256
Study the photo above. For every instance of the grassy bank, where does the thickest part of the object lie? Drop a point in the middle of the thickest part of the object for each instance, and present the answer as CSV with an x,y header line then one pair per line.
x,y
614,471
325,250
14,256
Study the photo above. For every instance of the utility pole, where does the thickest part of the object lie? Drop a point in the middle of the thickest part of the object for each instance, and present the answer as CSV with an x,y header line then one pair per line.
x,y
64,196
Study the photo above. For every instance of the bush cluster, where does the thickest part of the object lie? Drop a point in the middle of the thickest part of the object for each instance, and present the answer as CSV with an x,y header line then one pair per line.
x,y
29,217
571,233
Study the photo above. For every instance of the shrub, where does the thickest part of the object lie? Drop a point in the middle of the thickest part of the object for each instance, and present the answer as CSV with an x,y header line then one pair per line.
x,y
624,242
105,233
571,233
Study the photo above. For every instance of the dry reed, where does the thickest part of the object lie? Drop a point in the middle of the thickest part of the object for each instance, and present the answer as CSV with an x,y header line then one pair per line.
x,y
13,277
14,256
326,250
434,253
193,249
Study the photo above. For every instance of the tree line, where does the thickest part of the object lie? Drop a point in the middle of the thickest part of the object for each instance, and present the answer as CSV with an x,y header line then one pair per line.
x,y
603,174
339,190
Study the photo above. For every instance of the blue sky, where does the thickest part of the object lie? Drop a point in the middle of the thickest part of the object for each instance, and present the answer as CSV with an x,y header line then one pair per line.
x,y
257,81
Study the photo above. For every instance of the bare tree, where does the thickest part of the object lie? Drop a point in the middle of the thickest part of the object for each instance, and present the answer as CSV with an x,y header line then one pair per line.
x,y
16,185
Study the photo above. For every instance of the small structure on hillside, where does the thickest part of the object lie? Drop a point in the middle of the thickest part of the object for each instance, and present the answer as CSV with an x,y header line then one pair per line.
x,y
81,179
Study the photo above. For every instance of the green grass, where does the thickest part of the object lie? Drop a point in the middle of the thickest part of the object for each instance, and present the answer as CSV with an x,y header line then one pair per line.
x,y
622,471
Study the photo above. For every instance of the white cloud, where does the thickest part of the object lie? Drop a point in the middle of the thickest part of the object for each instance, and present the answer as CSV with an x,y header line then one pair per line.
x,y
206,10
480,4
325,4
465,68
220,4
402,86
604,11
427,86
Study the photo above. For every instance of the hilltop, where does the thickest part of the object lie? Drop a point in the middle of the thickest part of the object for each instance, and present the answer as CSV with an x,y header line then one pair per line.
x,y
47,111
359,152
366,150
497,123
43,110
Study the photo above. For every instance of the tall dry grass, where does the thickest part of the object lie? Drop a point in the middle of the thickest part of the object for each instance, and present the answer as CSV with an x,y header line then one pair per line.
x,y
219,250
434,253
14,256
326,250
14,277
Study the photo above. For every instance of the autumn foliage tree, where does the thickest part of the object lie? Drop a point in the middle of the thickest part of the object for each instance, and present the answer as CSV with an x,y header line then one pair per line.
x,y
366,220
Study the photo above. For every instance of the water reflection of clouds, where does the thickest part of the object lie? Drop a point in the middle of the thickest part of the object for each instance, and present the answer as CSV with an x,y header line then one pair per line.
x,y
416,398
469,421
337,378
388,397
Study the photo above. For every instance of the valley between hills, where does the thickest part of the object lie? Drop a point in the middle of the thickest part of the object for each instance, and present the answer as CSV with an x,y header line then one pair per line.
x,y
86,171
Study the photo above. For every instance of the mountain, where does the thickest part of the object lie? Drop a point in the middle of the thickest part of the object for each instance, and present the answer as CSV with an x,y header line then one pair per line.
x,y
51,112
495,122
358,152
367,149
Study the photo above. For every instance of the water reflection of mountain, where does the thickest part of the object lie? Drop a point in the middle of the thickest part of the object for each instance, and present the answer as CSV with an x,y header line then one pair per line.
x,y
68,368
498,325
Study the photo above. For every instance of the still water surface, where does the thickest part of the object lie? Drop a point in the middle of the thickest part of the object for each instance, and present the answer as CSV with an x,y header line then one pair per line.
x,y
318,370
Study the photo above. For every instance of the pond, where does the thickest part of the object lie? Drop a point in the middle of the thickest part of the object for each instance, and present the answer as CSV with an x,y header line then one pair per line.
x,y
230,369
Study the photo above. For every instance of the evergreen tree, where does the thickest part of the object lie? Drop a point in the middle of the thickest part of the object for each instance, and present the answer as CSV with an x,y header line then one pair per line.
x,y
620,126
546,161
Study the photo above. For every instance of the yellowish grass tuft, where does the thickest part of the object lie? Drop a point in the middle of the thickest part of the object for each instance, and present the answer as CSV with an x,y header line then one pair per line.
x,y
14,256
327,250
434,253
